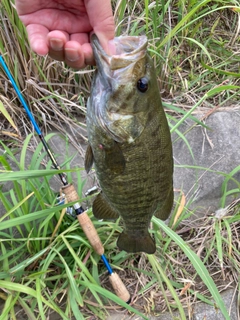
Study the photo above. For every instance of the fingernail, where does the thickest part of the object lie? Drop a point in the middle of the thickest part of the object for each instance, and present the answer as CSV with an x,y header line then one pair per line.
x,y
56,44
72,54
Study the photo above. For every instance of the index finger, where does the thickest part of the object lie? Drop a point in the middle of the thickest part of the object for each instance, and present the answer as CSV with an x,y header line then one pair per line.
x,y
37,35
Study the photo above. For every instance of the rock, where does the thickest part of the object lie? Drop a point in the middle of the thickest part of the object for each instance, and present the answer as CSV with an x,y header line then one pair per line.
x,y
200,311
216,150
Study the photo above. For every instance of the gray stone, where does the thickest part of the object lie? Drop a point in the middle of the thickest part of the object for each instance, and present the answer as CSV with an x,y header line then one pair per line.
x,y
164,316
200,311
204,311
216,149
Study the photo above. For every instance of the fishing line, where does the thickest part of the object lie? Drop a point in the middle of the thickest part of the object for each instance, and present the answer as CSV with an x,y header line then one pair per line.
x,y
71,196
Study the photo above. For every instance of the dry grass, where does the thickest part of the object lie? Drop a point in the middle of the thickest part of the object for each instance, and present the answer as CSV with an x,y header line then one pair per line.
x,y
55,95
201,237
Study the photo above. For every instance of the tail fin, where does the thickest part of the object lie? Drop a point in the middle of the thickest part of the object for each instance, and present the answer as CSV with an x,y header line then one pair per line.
x,y
136,244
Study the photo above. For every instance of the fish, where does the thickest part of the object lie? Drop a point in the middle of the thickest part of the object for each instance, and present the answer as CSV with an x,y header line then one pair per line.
x,y
129,142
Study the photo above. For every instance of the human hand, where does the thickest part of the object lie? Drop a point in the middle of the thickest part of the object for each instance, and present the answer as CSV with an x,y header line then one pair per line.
x,y
62,28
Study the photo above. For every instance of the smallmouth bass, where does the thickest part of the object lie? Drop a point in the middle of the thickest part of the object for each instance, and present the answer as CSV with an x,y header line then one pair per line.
x,y
129,142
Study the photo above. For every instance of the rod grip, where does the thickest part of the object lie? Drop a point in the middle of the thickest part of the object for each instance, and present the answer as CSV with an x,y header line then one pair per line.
x,y
91,233
70,192
119,288
84,221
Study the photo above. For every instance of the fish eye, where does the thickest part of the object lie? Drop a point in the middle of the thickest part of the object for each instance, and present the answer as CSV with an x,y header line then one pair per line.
x,y
142,84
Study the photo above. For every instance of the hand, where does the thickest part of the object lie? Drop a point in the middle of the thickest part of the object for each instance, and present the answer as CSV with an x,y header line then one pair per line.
x,y
62,28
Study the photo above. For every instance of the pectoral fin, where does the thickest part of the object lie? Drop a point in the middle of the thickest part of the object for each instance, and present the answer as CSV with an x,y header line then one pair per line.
x,y
102,210
114,158
88,161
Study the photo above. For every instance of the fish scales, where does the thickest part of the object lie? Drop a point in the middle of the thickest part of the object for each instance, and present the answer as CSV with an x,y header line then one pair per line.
x,y
129,142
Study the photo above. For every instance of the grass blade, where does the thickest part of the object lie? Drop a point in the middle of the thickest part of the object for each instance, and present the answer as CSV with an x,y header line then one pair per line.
x,y
31,292
198,265
159,272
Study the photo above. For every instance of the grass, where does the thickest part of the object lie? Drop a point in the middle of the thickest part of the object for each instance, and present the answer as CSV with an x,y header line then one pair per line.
x,y
47,265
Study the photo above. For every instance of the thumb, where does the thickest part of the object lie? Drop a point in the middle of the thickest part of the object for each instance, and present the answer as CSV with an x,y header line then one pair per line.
x,y
102,21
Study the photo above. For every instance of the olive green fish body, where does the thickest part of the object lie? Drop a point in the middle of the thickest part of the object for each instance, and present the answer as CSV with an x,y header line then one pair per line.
x,y
130,146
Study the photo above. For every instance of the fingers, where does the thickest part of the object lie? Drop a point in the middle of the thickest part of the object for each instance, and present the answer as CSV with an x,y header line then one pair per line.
x,y
37,35
74,50
74,56
57,41
78,51
72,47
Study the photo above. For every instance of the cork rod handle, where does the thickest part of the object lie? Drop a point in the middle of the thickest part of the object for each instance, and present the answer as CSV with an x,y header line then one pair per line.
x,y
119,287
93,237
91,233
84,221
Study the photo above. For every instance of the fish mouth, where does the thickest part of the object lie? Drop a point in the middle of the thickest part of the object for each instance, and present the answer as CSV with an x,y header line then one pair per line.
x,y
129,49
114,72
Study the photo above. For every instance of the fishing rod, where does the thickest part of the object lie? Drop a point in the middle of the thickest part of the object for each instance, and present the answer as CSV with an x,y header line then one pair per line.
x,y
71,196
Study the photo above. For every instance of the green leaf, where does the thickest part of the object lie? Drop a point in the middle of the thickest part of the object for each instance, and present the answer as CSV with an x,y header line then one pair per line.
x,y
201,46
30,174
219,71
160,274
71,279
31,217
198,265
213,91
31,292
39,299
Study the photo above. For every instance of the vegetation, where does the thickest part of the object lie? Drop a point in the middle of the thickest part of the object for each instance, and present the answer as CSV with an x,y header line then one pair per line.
x,y
46,265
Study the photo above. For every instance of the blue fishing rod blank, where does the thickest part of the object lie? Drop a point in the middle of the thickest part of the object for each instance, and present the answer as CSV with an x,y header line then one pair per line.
x,y
71,196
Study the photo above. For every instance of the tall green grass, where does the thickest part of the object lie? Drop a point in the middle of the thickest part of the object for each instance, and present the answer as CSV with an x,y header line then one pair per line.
x,y
48,265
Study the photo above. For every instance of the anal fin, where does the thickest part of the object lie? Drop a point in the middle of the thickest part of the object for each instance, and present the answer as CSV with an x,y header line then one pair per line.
x,y
164,212
102,210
